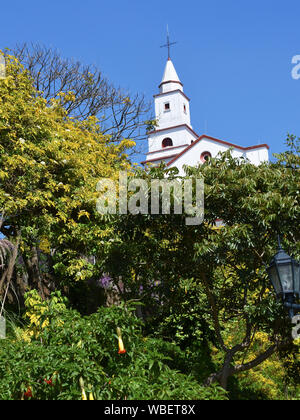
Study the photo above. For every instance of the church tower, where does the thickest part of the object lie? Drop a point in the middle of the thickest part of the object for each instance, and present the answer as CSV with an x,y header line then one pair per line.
x,y
175,142
172,112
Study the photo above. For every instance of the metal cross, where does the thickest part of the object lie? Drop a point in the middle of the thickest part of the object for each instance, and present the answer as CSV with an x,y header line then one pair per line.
x,y
168,44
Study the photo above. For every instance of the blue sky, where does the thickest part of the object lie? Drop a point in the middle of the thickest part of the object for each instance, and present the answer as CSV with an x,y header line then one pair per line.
x,y
234,57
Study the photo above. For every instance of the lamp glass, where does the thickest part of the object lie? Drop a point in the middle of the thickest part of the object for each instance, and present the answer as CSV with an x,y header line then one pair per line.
x,y
297,278
286,276
275,279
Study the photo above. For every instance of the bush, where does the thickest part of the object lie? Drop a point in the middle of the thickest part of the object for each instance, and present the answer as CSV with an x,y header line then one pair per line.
x,y
64,356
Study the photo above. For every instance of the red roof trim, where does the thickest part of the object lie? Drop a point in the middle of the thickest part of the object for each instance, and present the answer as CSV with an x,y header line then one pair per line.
x,y
160,158
259,146
218,141
174,126
232,144
171,91
167,148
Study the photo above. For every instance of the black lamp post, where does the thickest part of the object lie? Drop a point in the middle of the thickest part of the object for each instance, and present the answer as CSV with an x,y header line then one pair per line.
x,y
284,273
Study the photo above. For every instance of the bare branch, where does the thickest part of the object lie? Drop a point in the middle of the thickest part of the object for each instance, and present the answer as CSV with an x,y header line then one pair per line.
x,y
121,114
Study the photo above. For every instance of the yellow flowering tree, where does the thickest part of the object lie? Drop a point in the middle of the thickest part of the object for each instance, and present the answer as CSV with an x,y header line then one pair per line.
x,y
50,164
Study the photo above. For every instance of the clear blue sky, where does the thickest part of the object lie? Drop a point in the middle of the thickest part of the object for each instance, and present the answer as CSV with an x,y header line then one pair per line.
x,y
234,57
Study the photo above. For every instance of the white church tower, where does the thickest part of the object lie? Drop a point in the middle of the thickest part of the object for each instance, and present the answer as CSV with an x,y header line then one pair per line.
x,y
172,112
175,142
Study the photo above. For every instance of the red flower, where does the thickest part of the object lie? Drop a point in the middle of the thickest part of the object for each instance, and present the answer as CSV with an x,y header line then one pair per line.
x,y
28,393
49,381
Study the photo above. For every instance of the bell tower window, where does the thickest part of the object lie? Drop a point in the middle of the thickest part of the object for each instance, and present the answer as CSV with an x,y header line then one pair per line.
x,y
167,106
167,142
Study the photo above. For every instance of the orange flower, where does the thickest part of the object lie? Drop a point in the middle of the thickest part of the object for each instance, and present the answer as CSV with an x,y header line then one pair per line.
x,y
121,345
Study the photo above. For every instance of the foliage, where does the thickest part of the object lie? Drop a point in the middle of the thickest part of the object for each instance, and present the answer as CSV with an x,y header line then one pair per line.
x,y
270,380
228,263
203,290
50,165
185,320
73,357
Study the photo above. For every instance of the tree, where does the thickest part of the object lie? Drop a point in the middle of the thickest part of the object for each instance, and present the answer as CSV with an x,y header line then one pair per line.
x,y
86,92
50,164
8,255
228,263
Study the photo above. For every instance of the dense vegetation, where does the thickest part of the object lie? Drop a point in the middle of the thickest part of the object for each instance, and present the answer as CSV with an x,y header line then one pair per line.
x,y
192,305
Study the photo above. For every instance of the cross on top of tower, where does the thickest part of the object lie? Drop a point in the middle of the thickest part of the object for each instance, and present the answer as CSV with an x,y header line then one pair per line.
x,y
168,44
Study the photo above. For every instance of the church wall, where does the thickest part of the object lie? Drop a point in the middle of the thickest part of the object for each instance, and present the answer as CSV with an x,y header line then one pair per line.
x,y
193,156
180,136
257,156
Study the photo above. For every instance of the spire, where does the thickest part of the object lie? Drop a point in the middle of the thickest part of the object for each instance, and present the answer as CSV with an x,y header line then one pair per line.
x,y
170,80
170,74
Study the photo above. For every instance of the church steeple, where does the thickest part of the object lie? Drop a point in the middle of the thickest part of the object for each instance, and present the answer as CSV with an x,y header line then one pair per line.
x,y
172,112
171,104
173,140
173,132
170,80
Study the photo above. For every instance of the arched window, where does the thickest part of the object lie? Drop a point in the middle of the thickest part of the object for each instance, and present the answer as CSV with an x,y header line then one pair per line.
x,y
167,142
205,156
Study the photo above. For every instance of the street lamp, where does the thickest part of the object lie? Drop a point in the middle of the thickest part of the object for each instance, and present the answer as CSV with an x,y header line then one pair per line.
x,y
284,273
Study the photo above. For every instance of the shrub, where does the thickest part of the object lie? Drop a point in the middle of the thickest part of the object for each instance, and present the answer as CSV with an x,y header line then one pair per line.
x,y
68,357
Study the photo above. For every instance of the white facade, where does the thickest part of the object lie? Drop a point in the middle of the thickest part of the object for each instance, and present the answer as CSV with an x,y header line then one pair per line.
x,y
204,145
177,111
174,141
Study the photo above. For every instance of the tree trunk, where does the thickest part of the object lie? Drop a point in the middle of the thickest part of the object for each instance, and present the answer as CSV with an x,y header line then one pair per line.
x,y
225,371
229,370
223,375
33,270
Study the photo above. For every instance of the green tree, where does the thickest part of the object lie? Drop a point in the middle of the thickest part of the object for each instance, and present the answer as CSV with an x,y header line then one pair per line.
x,y
228,263
50,164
